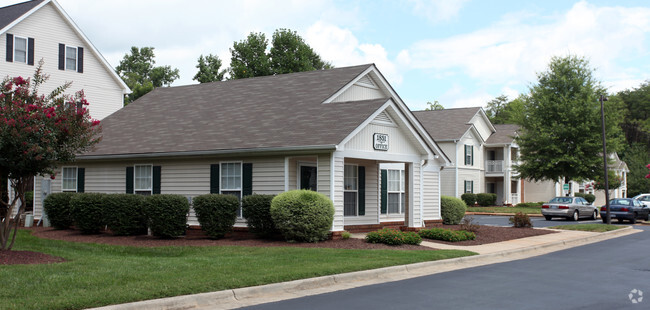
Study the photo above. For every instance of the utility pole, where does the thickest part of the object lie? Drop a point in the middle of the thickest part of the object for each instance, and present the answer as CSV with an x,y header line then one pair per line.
x,y
608,217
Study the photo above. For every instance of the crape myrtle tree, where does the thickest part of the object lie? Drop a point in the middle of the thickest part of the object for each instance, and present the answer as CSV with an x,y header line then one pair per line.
x,y
37,133
561,136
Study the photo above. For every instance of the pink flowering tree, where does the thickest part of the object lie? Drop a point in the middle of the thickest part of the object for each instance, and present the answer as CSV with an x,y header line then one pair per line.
x,y
37,133
648,175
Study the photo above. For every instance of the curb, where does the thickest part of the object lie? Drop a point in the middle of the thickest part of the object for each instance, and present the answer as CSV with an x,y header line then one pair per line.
x,y
238,297
500,214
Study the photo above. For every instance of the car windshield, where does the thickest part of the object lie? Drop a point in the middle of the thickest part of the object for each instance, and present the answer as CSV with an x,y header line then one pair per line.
x,y
624,202
561,200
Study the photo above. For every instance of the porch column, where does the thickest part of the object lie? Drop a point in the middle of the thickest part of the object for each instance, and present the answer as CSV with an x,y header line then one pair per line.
x,y
409,214
507,185
335,165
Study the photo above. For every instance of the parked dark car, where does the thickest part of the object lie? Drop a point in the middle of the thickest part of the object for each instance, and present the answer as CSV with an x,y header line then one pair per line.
x,y
629,209
571,208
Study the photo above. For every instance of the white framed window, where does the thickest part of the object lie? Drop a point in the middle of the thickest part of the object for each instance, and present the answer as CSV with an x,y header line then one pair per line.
x,y
20,49
396,195
71,58
469,186
231,181
350,190
69,179
469,155
143,179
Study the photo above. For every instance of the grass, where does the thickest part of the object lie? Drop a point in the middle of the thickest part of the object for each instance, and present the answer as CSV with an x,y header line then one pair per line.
x,y
98,274
588,227
511,210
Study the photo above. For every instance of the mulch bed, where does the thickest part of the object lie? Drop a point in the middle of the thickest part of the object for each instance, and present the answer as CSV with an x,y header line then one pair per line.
x,y
491,234
27,257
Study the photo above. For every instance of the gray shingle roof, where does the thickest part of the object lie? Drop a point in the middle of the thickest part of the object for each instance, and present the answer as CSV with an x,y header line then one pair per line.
x,y
264,112
447,124
9,14
505,134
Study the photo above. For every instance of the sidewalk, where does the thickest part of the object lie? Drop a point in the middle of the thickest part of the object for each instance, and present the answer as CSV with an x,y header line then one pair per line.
x,y
489,254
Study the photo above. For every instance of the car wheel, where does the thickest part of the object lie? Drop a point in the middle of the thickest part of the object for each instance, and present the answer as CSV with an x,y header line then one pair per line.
x,y
604,220
575,216
594,215
548,218
633,220
647,217
619,220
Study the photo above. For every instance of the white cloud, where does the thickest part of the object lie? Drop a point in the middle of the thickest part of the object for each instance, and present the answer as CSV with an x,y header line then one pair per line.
x,y
437,10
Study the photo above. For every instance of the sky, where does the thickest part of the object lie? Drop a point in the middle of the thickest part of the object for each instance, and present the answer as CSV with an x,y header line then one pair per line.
x,y
460,53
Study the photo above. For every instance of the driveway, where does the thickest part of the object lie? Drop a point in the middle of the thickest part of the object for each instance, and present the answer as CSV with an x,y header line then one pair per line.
x,y
495,220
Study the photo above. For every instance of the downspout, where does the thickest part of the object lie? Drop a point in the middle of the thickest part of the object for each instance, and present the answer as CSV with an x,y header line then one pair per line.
x,y
422,164
456,167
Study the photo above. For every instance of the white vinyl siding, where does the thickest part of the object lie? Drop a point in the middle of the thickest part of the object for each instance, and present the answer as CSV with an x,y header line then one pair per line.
x,y
431,196
20,49
143,179
69,179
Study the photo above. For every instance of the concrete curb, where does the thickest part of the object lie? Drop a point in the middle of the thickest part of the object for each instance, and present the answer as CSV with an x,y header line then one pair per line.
x,y
239,297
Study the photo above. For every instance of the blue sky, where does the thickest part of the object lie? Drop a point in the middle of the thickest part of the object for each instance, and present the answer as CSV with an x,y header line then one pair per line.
x,y
461,53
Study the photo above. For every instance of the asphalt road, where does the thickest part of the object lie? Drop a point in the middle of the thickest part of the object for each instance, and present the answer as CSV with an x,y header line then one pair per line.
x,y
595,276
537,221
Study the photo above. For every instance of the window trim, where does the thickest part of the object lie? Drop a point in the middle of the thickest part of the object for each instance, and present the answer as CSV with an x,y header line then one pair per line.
x,y
241,183
76,58
298,172
135,184
401,192
356,202
76,179
26,49
471,187
469,155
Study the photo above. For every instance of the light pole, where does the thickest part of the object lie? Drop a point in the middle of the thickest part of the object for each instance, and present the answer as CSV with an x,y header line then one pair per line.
x,y
602,122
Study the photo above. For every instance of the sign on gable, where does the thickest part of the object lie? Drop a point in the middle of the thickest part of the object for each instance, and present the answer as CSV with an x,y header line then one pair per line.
x,y
380,141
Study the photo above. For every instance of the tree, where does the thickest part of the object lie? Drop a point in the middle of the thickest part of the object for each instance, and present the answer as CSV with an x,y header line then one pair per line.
x,y
636,157
209,69
137,70
501,111
561,137
249,58
37,133
495,109
637,121
434,106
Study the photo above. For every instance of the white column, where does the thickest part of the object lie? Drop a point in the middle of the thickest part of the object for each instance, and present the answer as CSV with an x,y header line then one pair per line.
x,y
507,185
410,192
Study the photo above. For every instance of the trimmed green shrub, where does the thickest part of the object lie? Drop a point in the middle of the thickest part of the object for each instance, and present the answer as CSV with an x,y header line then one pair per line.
x,y
452,210
529,205
88,212
303,215
447,234
469,199
166,214
390,236
58,210
579,195
345,235
486,199
411,237
257,211
216,213
520,220
590,198
125,214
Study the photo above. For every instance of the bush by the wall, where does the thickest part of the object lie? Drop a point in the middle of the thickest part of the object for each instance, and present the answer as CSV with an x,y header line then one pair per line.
x,y
257,211
486,199
579,195
529,205
520,220
393,237
88,212
125,214
58,210
452,210
216,213
590,198
29,201
303,215
447,234
167,214
469,199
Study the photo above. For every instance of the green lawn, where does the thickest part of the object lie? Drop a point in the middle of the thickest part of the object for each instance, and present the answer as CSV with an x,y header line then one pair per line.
x,y
588,227
513,210
97,274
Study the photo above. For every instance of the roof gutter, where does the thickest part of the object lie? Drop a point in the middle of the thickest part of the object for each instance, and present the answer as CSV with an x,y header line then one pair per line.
x,y
292,149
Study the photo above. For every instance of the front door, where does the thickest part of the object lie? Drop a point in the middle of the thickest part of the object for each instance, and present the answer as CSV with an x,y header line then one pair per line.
x,y
308,177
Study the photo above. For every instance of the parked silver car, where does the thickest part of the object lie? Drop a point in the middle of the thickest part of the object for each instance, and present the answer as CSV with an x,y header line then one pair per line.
x,y
571,208
644,199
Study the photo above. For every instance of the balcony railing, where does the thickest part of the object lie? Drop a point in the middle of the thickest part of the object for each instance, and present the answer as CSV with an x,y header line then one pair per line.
x,y
493,166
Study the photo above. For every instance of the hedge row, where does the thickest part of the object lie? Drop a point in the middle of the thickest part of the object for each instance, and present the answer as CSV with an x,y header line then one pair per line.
x,y
483,199
447,235
393,237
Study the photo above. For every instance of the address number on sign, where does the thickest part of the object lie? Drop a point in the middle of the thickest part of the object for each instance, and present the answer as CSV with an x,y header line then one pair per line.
x,y
380,141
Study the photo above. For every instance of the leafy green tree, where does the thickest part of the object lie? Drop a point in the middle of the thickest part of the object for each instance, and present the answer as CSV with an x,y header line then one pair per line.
x,y
289,53
495,109
561,137
209,69
249,58
137,70
434,106
636,156
637,121
501,111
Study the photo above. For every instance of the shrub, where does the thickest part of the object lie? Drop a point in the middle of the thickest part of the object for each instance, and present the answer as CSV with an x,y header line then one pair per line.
x,y
257,211
393,237
29,201
529,205
166,214
125,214
302,215
520,220
447,234
345,235
590,198
486,199
58,210
468,224
469,199
411,237
452,210
88,212
216,213
579,195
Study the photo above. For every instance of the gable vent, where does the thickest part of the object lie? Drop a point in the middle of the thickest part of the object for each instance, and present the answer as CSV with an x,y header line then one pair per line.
x,y
383,119
366,81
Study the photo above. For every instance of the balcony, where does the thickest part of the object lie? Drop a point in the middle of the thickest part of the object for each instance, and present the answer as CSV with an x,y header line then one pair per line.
x,y
493,166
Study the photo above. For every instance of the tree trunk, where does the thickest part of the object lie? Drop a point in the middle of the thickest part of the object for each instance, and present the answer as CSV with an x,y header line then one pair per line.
x,y
7,221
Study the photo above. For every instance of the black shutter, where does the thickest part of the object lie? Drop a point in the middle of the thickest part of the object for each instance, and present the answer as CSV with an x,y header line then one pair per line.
x,y
30,51
384,191
214,179
471,149
156,180
10,47
80,59
129,180
62,59
81,180
471,184
247,179
362,190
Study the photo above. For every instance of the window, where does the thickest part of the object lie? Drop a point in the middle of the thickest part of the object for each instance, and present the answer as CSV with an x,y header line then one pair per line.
x,y
71,58
469,186
396,196
231,181
69,177
351,188
469,155
143,177
20,49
